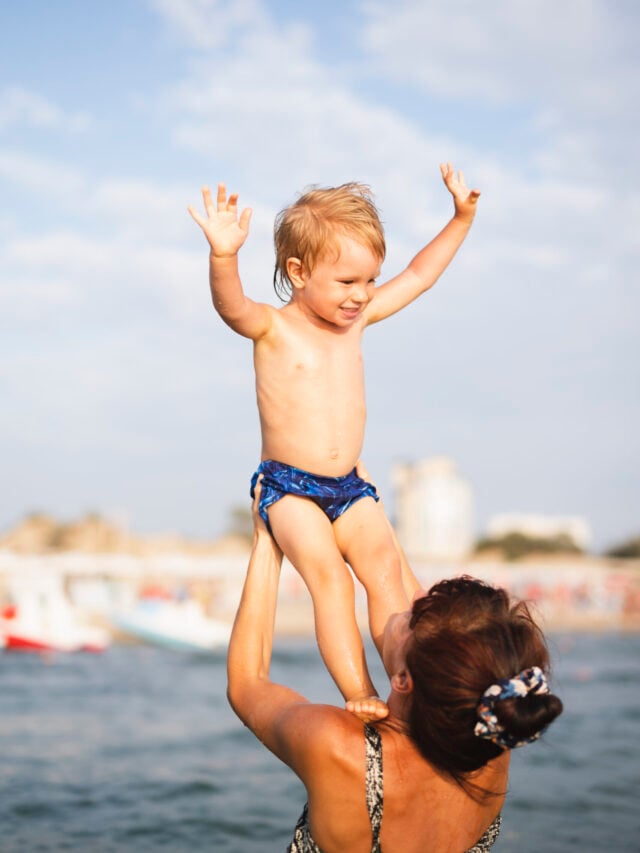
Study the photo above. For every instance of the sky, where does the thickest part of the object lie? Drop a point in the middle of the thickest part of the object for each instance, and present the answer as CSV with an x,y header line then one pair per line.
x,y
122,391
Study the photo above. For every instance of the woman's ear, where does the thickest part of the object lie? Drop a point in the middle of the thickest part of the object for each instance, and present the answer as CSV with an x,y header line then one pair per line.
x,y
402,682
295,272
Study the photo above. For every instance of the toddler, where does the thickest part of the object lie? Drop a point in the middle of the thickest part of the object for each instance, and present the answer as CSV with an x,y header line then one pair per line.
x,y
311,399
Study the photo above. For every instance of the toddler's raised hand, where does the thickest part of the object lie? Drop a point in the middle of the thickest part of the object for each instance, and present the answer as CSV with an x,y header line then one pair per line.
x,y
223,229
464,200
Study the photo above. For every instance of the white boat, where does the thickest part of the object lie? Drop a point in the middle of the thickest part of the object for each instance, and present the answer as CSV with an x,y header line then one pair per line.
x,y
39,618
178,625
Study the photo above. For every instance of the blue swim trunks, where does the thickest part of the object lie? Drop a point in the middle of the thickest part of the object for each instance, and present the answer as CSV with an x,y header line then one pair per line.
x,y
334,495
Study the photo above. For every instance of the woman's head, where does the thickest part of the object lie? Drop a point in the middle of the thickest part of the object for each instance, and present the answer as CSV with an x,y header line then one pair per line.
x,y
310,228
466,636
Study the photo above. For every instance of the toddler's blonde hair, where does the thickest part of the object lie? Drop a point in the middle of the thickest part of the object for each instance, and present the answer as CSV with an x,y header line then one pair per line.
x,y
309,229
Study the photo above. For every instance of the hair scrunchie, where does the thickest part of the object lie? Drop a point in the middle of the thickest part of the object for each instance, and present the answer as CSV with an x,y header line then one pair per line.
x,y
531,680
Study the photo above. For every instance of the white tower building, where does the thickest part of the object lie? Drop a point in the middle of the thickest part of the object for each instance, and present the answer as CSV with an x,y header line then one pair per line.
x,y
434,510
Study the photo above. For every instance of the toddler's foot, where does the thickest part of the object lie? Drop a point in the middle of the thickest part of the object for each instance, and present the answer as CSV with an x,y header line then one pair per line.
x,y
368,709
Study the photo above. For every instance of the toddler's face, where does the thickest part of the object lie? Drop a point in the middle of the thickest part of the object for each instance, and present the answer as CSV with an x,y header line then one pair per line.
x,y
339,288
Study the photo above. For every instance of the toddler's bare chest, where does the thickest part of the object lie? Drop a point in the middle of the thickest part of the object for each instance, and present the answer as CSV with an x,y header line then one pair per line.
x,y
336,363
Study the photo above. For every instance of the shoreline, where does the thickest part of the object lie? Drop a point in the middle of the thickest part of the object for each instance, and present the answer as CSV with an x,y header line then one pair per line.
x,y
569,594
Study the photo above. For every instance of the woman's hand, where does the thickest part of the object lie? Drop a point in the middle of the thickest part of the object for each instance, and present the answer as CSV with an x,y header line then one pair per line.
x,y
362,472
260,531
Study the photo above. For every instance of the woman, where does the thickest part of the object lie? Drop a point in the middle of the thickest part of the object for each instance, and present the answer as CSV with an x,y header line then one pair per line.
x,y
467,677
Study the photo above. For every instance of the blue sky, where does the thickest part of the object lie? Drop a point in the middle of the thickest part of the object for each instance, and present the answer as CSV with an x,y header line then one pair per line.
x,y
124,393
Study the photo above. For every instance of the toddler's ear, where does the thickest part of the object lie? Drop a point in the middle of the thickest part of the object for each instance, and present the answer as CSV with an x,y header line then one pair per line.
x,y
295,272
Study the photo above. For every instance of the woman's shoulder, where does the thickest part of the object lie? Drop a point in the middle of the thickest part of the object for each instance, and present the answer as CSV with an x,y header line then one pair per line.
x,y
314,726
328,747
314,736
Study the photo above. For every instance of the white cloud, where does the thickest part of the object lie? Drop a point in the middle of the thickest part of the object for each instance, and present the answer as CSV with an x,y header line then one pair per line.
x,y
568,73
85,274
58,249
526,335
507,51
47,178
19,106
124,241
139,209
55,270
24,296
286,124
210,23
143,210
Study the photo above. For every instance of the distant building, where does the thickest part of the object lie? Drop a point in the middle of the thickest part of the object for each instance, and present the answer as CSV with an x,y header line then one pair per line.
x,y
541,527
434,509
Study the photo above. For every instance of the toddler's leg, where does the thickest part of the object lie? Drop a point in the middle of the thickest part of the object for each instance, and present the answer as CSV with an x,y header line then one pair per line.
x,y
366,539
305,535
410,582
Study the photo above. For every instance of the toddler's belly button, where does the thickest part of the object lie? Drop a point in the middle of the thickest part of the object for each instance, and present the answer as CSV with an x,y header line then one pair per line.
x,y
333,454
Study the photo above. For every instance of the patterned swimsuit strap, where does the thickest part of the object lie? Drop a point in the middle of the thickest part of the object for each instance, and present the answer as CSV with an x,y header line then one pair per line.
x,y
374,789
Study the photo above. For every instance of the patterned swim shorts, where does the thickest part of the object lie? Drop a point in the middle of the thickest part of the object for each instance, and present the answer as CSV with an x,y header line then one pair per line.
x,y
334,495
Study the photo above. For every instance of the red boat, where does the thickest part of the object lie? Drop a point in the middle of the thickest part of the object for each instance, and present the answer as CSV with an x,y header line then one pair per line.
x,y
40,619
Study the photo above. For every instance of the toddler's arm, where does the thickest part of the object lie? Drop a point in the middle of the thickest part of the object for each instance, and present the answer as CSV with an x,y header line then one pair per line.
x,y
226,233
429,264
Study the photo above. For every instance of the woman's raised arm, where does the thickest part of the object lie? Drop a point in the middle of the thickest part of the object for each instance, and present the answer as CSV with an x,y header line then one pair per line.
x,y
261,704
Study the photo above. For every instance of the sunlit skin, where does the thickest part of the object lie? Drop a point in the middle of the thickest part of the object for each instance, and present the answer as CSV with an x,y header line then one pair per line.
x,y
309,368
339,288
395,639
324,745
311,400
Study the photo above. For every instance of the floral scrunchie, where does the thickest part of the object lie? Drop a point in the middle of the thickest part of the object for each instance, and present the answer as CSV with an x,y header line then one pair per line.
x,y
531,680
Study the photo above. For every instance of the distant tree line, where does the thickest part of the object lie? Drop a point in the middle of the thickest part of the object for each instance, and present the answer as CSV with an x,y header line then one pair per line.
x,y
240,522
514,546
55,535
629,550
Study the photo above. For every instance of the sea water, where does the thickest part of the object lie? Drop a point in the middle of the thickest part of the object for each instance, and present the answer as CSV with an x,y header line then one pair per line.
x,y
137,750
